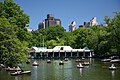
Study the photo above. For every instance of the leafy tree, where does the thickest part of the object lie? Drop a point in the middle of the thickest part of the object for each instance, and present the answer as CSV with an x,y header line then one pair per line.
x,y
14,38
24,36
54,31
12,51
57,42
69,39
81,37
107,19
15,15
39,36
99,39
114,28
48,36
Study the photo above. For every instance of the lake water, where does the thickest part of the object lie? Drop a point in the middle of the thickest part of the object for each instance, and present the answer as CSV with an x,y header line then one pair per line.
x,y
97,70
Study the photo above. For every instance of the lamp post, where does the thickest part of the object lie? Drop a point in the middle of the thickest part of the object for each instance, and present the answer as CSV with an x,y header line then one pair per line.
x,y
84,53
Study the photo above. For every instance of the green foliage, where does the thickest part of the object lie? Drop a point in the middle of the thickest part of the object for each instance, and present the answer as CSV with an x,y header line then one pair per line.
x,y
104,40
115,33
39,36
44,37
10,10
12,51
57,42
14,37
24,36
54,31
81,37
99,40
69,39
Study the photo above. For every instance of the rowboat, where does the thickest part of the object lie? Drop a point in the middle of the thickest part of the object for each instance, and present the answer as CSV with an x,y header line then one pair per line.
x,y
105,60
80,66
115,60
61,63
112,67
13,69
86,63
35,63
20,73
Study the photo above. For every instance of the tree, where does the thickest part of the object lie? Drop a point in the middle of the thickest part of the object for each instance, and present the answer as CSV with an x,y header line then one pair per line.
x,y
57,42
69,39
24,36
48,36
38,37
115,33
81,37
99,40
107,19
12,51
15,15
54,31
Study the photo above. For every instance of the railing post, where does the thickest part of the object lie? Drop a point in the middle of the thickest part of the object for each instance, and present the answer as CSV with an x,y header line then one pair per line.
x,y
65,54
83,53
53,54
71,53
77,54
90,54
35,55
59,54
47,54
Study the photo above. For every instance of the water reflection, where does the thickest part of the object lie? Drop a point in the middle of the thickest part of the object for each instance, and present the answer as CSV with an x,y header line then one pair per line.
x,y
81,71
90,60
87,66
113,74
68,71
35,72
17,78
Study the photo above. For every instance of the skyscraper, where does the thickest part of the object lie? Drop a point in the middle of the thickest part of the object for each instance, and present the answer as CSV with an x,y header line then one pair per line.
x,y
41,25
49,22
72,26
92,22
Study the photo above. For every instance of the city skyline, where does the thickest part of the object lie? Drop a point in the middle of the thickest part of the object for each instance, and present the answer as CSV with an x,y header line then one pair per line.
x,y
67,11
49,21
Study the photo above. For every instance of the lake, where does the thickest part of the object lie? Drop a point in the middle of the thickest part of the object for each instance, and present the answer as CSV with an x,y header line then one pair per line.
x,y
97,70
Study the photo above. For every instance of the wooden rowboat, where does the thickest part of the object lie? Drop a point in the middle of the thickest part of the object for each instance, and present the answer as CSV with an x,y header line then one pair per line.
x,y
20,73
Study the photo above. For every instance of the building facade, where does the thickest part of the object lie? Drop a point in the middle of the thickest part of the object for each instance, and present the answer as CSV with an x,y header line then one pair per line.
x,y
72,26
49,22
41,25
92,22
59,52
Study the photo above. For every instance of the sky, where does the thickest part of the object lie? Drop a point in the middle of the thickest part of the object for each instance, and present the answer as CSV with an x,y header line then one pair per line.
x,y
68,10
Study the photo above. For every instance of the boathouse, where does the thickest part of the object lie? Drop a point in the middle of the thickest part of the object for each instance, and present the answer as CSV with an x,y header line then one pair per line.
x,y
59,51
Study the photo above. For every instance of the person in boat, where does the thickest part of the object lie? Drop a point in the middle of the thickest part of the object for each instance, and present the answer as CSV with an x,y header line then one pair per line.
x,y
22,70
8,68
112,67
14,68
18,72
18,68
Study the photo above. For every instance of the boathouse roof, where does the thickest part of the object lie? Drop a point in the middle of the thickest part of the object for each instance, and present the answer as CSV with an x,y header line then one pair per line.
x,y
58,49
62,48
